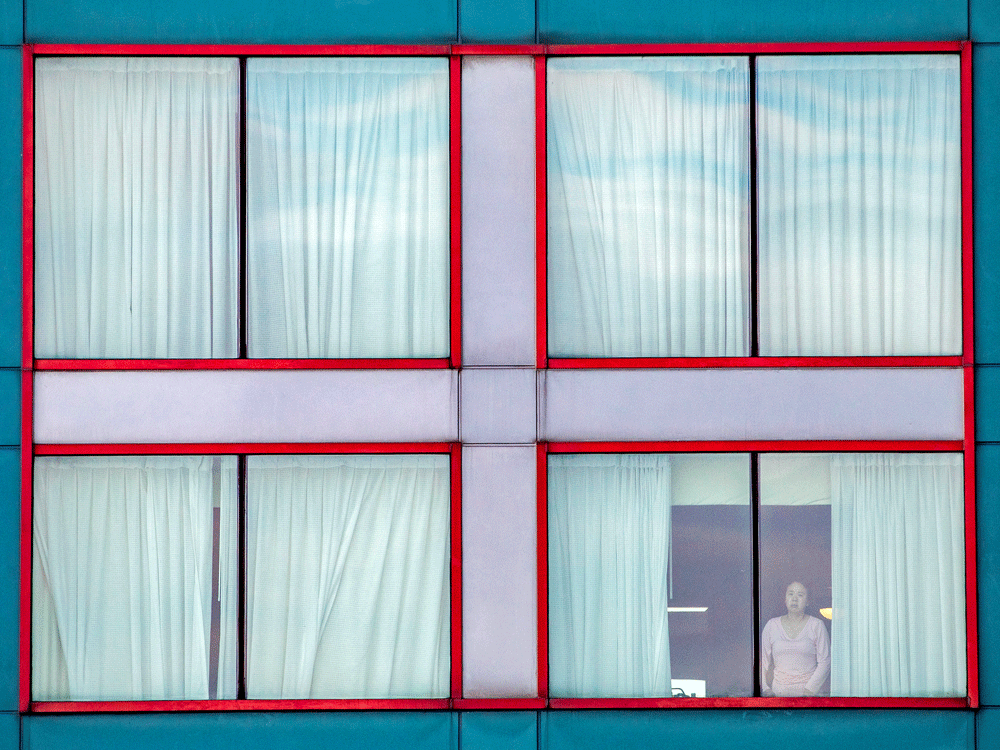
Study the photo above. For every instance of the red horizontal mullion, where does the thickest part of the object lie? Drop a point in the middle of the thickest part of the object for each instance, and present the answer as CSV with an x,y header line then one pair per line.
x,y
499,704
241,364
760,446
618,363
756,702
296,704
743,48
170,449
498,49
205,50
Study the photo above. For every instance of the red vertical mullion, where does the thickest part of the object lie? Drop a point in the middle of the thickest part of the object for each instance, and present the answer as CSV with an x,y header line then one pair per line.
x,y
455,144
971,622
542,565
968,329
541,222
24,673
456,571
27,205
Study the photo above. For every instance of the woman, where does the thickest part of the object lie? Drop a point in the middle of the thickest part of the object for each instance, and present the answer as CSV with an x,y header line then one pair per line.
x,y
794,649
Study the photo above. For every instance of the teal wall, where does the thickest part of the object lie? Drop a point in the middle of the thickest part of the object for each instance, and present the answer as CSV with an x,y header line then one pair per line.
x,y
513,21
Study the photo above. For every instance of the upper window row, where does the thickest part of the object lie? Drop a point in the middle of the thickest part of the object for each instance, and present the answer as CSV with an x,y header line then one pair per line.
x,y
299,207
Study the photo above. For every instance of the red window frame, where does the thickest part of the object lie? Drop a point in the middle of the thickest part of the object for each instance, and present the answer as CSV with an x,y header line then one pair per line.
x,y
453,360
966,447
964,49
452,450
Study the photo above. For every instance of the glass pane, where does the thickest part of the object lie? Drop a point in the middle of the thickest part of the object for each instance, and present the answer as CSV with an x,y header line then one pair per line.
x,y
649,575
347,206
859,177
134,578
347,576
648,196
136,207
862,561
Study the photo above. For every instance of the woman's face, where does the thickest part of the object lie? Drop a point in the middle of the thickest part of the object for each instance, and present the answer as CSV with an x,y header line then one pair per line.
x,y
796,598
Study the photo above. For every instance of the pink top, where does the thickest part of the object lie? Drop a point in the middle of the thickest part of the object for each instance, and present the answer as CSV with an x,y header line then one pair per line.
x,y
799,664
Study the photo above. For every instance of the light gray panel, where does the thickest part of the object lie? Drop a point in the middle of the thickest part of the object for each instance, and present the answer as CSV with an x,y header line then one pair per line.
x,y
246,406
498,210
746,404
498,406
499,584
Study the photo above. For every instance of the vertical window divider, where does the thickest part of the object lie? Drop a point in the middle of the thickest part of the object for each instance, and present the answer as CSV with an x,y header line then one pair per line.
x,y
241,579
754,274
242,262
755,563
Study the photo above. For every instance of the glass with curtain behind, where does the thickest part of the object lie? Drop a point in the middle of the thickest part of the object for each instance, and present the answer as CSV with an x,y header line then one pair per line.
x,y
648,206
878,541
136,207
134,593
650,583
860,205
347,207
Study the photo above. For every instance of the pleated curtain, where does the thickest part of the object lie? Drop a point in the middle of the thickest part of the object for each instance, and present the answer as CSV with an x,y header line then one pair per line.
x,y
648,206
898,531
609,551
347,576
860,212
348,207
122,592
136,207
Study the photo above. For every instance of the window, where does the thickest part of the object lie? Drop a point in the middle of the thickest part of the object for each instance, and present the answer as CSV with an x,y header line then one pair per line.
x,y
181,218
253,577
772,206
668,572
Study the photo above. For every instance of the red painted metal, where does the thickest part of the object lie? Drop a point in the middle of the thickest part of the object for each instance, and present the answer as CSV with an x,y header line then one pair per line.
x,y
761,446
455,140
541,219
968,286
24,639
456,570
261,50
621,363
971,608
298,704
542,565
499,704
775,48
216,449
242,364
748,702
498,49
27,207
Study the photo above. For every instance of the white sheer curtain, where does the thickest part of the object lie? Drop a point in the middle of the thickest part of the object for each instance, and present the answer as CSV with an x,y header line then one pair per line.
x,y
136,207
609,547
648,196
859,180
898,575
347,576
122,593
348,206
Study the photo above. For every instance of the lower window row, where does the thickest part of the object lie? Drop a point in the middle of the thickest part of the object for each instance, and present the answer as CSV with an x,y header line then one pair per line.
x,y
327,576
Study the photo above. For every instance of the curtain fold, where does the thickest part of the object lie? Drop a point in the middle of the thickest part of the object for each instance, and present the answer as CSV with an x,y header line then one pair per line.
x,y
859,178
648,196
609,552
123,578
136,207
348,207
898,575
347,575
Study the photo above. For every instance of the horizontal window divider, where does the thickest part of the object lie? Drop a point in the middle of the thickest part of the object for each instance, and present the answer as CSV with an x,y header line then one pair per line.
x,y
499,704
748,48
702,363
236,50
214,449
749,702
298,704
761,446
118,365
